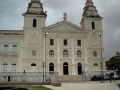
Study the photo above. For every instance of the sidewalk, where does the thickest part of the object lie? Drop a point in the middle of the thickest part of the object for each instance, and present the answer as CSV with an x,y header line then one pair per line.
x,y
87,86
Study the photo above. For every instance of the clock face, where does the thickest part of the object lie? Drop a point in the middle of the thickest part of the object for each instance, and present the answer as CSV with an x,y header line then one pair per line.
x,y
34,33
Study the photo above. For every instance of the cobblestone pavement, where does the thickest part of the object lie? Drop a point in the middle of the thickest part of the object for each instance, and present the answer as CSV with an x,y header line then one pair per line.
x,y
87,86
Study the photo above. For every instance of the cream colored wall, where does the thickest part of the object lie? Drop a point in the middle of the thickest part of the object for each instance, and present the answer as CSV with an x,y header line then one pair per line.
x,y
29,18
94,43
33,40
10,56
72,34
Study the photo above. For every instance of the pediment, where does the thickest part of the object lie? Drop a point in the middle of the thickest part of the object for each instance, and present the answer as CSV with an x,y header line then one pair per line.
x,y
63,26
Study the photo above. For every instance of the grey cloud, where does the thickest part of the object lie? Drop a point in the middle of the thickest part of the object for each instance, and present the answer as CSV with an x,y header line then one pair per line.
x,y
58,4
111,23
10,13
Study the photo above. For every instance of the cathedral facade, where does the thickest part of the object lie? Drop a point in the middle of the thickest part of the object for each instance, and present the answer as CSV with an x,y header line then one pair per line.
x,y
65,48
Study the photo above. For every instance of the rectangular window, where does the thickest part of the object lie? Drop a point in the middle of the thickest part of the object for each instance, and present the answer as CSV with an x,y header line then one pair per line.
x,y
6,47
51,42
78,42
33,53
5,67
65,42
14,46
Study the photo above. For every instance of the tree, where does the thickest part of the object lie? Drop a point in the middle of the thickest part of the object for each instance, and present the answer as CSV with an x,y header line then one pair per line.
x,y
113,63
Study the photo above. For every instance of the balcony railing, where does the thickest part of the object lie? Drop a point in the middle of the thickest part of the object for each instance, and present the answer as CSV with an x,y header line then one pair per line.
x,y
35,77
11,53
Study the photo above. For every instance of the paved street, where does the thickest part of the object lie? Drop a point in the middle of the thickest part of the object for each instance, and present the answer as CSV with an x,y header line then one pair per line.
x,y
87,86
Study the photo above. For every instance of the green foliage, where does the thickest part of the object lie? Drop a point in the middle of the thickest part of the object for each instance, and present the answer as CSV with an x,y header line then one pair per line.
x,y
39,88
31,87
113,63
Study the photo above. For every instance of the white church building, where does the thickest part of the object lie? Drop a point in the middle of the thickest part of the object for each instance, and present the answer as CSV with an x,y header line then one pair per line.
x,y
65,49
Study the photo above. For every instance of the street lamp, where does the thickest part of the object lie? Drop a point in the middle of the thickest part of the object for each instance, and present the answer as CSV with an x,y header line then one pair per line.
x,y
45,54
43,65
101,63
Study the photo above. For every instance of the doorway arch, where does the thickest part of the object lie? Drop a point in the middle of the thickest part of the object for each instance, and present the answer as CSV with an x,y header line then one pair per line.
x,y
79,68
33,67
51,67
65,68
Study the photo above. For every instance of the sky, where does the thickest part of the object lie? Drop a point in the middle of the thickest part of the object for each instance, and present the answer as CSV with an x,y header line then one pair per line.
x,y
11,17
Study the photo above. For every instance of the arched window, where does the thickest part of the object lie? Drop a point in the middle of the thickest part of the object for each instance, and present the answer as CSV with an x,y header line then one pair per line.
x,y
33,53
33,64
65,53
65,68
51,67
34,23
95,64
51,53
79,66
93,25
79,53
33,68
94,53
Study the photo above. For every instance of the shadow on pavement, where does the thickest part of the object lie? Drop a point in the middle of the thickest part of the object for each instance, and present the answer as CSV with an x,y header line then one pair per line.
x,y
12,88
118,85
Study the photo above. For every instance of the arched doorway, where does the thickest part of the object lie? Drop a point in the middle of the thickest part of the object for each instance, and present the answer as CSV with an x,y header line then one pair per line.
x,y
33,67
79,68
51,67
65,68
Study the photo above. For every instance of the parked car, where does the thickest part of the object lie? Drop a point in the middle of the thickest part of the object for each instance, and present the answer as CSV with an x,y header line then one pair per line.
x,y
96,78
115,74
106,77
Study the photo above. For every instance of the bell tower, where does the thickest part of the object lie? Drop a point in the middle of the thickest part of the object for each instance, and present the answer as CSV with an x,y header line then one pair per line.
x,y
34,17
90,18
92,23
33,43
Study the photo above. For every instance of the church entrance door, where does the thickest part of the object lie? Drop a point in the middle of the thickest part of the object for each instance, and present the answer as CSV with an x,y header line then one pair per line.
x,y
79,66
65,69
9,78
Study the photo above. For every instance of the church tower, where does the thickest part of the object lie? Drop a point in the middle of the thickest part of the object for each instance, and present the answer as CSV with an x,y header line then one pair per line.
x,y
34,17
92,23
90,17
33,43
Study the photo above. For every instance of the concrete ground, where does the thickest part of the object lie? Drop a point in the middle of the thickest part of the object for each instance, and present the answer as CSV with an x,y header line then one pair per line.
x,y
87,86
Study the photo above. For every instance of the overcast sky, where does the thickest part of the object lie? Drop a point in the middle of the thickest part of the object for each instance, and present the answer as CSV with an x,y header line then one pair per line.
x,y
11,17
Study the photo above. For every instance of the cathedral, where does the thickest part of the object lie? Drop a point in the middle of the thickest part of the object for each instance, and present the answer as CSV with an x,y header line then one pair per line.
x,y
63,49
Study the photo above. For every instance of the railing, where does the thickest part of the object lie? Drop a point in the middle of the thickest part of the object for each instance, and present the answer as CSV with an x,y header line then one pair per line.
x,y
11,53
35,77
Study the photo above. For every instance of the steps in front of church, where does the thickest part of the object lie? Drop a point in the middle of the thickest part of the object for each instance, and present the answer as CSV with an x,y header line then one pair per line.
x,y
73,78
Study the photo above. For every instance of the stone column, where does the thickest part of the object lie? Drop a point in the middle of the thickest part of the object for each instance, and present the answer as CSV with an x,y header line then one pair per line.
x,y
58,57
73,58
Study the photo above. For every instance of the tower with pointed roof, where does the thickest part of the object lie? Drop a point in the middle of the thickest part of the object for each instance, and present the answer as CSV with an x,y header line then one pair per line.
x,y
90,16
92,23
33,14
33,43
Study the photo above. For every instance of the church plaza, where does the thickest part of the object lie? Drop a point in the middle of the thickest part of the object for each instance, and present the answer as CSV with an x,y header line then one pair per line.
x,y
88,86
